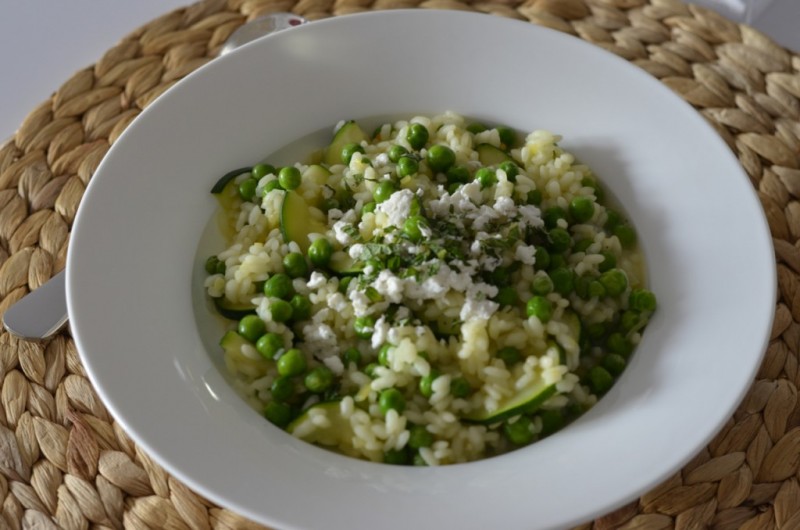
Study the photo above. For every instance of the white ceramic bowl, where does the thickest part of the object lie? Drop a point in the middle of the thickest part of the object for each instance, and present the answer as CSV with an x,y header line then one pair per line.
x,y
135,249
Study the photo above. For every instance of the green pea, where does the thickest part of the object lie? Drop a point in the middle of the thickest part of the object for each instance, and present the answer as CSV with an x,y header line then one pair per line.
x,y
271,185
596,330
383,191
419,437
609,261
281,310
295,265
501,276
563,280
542,257
289,177
319,379
247,189
426,383
582,245
560,240
440,158
511,170
414,226
581,208
351,355
279,414
542,285
534,197
520,432
539,307
600,381
486,177
453,188
642,300
552,421
417,135
391,399
614,363
552,215
383,354
592,183
292,363
476,128
396,152
596,289
613,220
368,207
626,236
282,389
370,370
320,252
301,308
252,327
557,261
279,286
507,136
349,150
615,281
262,170
617,343
507,296
212,263
364,326
396,457
629,320
406,167
269,345
460,387
457,175
509,355
582,286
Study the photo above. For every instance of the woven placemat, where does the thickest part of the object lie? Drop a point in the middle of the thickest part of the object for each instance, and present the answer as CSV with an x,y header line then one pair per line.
x,y
65,463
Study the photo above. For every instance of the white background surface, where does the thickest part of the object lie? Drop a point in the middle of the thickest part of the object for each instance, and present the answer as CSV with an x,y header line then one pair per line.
x,y
44,41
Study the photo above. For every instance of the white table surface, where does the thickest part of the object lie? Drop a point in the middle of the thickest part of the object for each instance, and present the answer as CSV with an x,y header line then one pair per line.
x,y
45,41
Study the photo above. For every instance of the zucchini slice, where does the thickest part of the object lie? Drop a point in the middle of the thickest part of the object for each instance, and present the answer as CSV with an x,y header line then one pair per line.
x,y
337,432
227,177
527,400
349,133
297,221
490,155
343,265
232,310
233,343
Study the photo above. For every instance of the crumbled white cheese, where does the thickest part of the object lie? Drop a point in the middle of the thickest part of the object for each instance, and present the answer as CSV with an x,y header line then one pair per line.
x,y
396,207
316,280
360,302
526,254
356,250
477,309
505,206
337,302
390,286
340,229
531,216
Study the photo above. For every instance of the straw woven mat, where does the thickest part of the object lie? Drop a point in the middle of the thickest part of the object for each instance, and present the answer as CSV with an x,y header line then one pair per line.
x,y
64,462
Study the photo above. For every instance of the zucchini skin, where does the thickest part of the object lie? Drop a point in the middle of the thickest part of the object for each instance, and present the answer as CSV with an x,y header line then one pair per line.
x,y
227,177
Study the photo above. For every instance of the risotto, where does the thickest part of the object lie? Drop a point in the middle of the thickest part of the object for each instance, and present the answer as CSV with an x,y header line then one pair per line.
x,y
439,291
